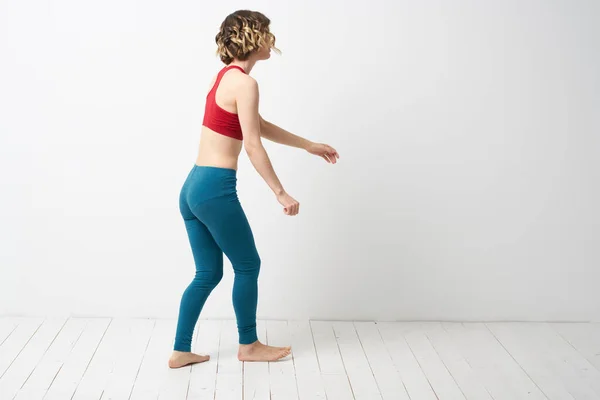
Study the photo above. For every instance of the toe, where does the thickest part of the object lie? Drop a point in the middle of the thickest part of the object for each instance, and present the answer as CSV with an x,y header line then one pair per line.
x,y
201,358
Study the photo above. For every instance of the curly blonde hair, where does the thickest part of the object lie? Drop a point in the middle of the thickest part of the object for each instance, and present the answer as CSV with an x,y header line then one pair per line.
x,y
242,33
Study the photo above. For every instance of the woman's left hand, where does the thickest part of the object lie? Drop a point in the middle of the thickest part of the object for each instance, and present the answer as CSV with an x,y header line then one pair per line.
x,y
324,150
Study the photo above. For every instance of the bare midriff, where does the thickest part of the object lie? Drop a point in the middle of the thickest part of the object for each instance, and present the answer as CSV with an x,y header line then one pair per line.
x,y
218,150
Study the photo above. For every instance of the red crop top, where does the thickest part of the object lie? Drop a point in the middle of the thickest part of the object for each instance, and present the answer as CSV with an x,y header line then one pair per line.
x,y
218,119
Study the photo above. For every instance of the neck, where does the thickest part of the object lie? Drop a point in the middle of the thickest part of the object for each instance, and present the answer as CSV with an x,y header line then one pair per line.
x,y
246,65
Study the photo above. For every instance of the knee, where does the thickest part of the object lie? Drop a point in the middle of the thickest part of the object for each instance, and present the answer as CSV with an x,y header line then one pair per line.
x,y
217,277
250,266
208,280
256,263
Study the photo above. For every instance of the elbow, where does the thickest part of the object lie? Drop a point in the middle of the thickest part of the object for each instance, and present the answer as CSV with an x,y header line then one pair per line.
x,y
252,145
264,124
263,128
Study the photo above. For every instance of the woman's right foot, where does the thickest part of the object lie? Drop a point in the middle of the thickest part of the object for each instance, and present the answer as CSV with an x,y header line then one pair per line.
x,y
182,358
260,352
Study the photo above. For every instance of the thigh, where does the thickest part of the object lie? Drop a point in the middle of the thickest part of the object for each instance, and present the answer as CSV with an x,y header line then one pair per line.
x,y
208,256
228,224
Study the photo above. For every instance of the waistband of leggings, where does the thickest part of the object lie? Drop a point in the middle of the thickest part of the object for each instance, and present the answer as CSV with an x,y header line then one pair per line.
x,y
215,170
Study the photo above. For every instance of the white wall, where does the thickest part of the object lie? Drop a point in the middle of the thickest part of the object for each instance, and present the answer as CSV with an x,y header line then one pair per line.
x,y
467,187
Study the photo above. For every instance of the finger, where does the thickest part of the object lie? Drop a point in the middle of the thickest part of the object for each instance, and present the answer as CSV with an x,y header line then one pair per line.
x,y
325,157
334,152
331,157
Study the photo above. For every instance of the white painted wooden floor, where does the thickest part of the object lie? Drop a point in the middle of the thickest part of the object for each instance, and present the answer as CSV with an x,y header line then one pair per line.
x,y
81,358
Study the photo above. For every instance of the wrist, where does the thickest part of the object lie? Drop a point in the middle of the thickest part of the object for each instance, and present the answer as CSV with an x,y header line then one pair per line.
x,y
307,144
279,191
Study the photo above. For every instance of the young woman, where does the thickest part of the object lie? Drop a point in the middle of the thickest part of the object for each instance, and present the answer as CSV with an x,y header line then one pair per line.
x,y
214,219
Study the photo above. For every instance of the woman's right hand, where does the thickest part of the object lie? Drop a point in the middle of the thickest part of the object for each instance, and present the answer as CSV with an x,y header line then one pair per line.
x,y
290,205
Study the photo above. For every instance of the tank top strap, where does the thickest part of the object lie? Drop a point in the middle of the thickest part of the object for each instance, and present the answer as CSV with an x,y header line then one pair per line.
x,y
227,68
222,72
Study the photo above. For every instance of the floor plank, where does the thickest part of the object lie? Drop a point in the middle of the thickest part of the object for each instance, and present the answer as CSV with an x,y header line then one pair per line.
x,y
387,376
465,376
502,376
38,383
71,372
356,364
577,346
441,380
204,375
154,368
7,326
282,373
308,372
16,341
108,358
526,352
411,373
256,374
31,354
337,385
176,382
126,358
229,368
131,346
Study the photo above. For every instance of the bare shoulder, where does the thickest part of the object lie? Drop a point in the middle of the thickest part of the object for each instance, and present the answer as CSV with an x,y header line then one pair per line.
x,y
246,81
246,85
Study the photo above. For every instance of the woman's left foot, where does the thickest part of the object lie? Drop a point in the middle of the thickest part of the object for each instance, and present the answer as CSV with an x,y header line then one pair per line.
x,y
182,358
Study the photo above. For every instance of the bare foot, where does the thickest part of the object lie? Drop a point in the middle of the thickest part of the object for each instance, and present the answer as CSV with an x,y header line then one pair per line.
x,y
182,358
261,352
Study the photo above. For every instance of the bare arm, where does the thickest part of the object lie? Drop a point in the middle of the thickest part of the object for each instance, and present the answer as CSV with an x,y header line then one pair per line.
x,y
272,132
276,134
247,105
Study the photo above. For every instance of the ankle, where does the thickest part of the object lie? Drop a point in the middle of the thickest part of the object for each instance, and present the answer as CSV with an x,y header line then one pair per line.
x,y
248,345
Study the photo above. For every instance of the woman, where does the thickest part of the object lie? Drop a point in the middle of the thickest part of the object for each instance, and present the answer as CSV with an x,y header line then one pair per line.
x,y
213,216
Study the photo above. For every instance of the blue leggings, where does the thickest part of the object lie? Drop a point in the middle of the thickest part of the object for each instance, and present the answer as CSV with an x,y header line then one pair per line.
x,y
216,224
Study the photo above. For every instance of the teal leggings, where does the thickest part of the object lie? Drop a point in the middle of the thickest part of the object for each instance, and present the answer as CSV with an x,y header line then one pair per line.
x,y
216,224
